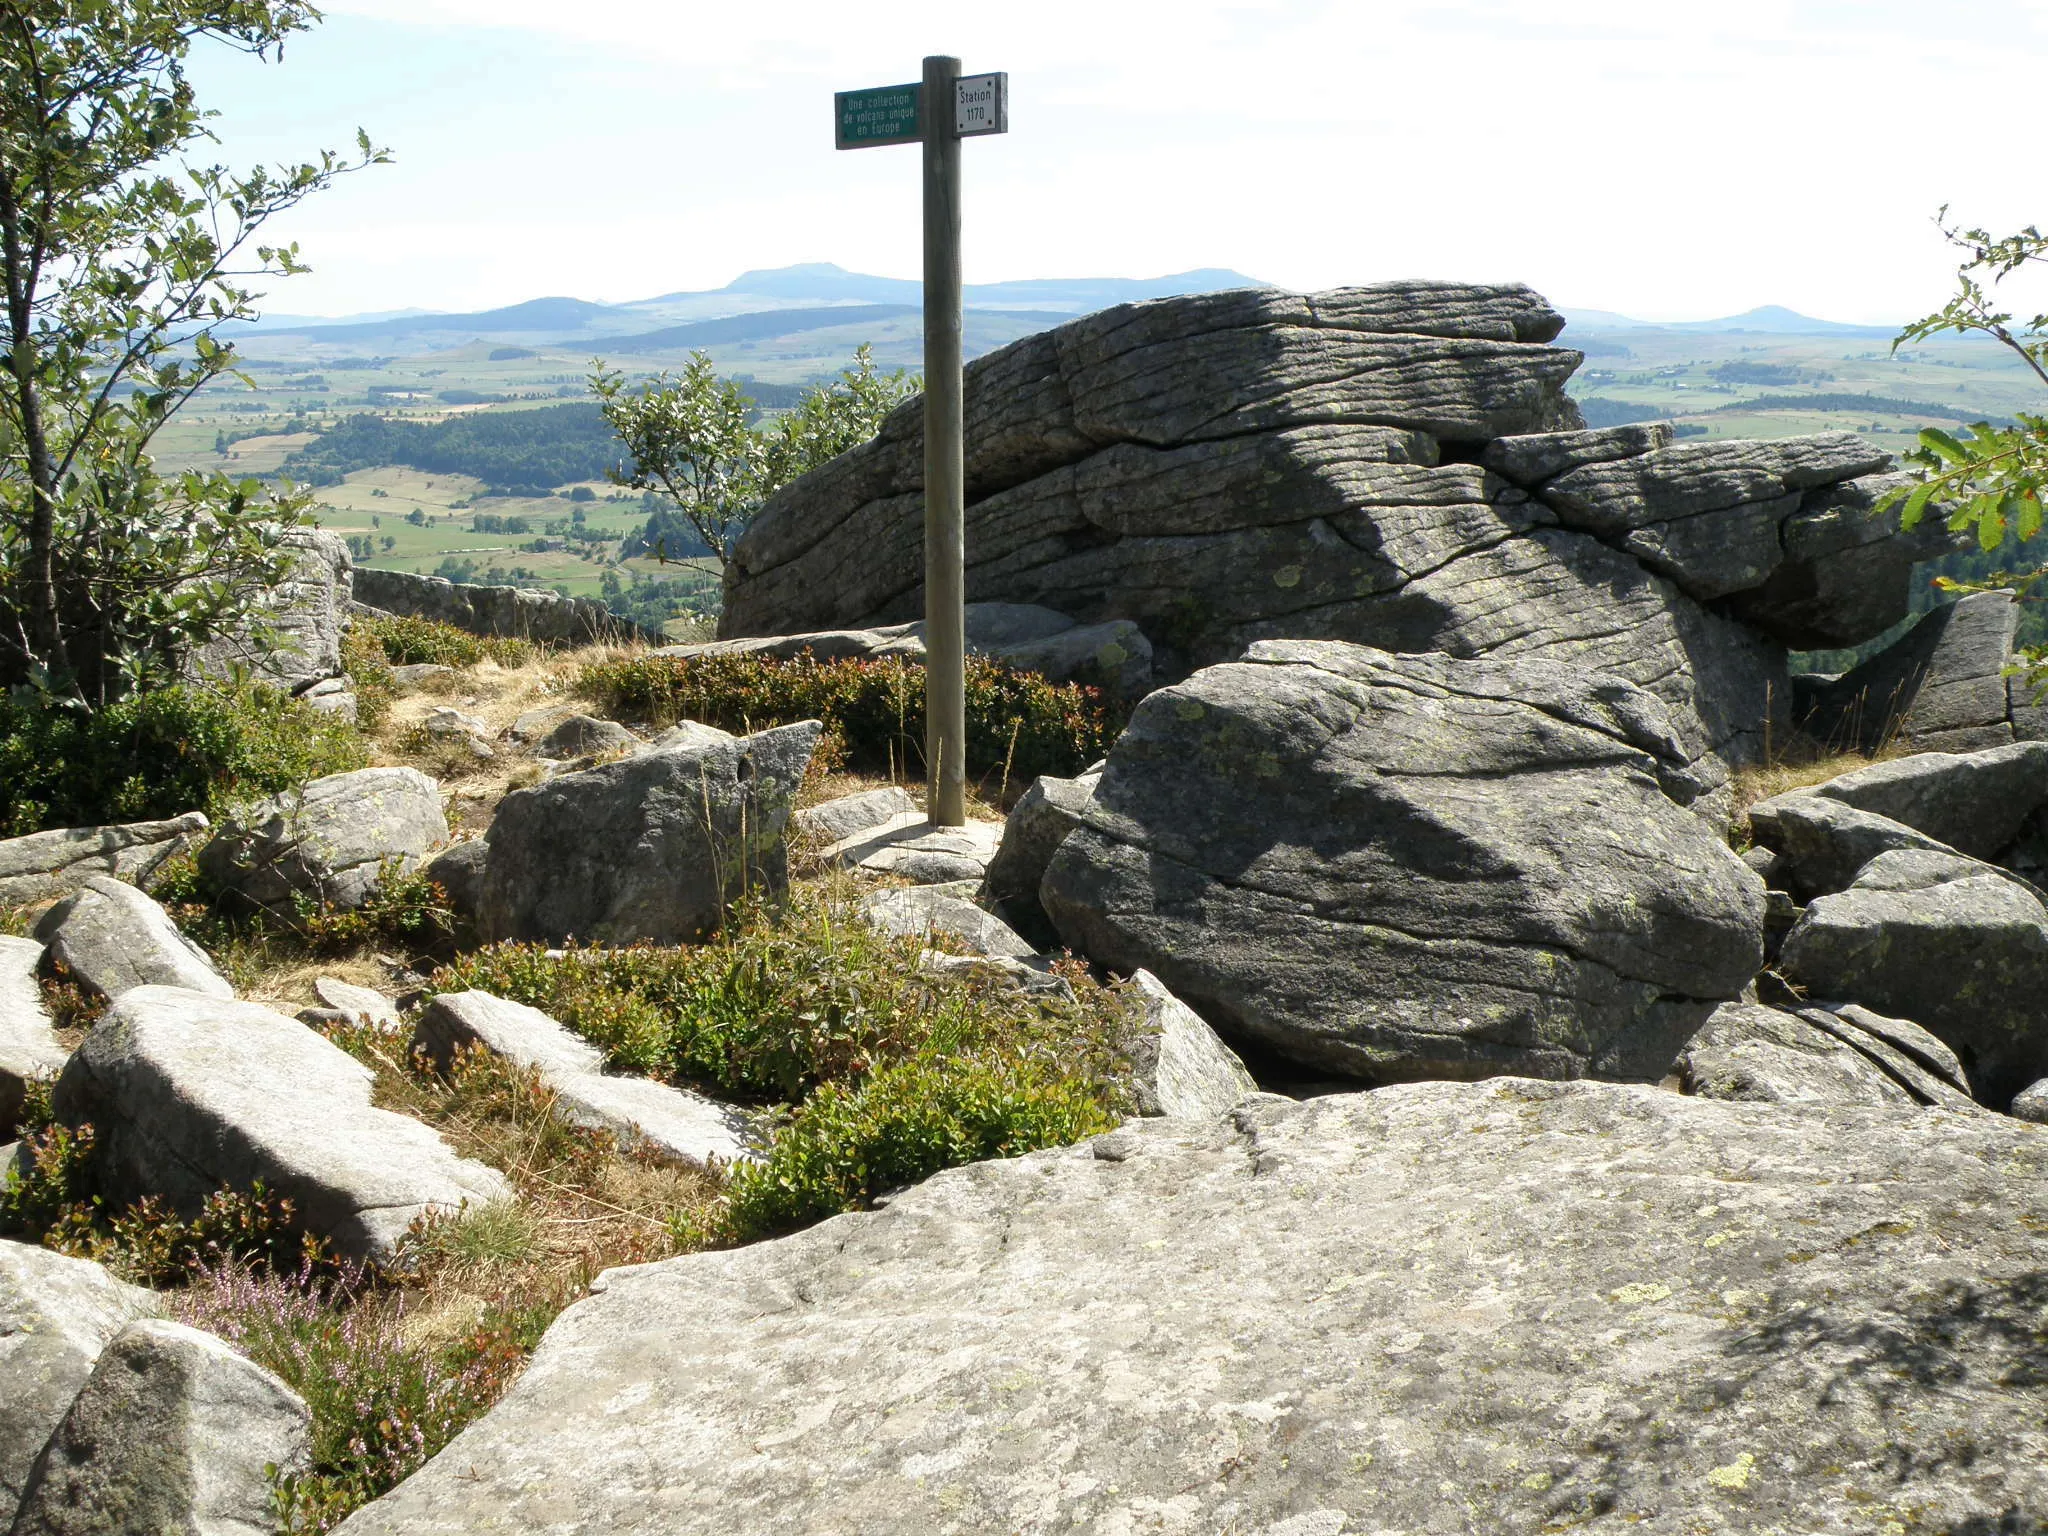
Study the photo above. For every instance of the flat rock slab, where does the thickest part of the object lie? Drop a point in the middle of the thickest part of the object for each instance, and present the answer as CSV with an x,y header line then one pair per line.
x,y
911,848
45,865
1975,802
674,1122
56,1315
362,1004
913,912
838,819
330,841
1474,1308
29,1047
173,1431
110,937
191,1093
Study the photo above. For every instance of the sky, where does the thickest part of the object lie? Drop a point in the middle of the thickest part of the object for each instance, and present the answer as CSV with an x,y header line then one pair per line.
x,y
1668,159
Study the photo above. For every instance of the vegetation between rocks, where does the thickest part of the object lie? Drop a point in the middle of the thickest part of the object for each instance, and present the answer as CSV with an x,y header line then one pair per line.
x,y
1019,725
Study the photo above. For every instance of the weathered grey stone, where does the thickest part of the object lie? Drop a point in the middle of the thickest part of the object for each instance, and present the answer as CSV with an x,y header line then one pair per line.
x,y
1940,687
1750,1053
292,639
691,736
1412,866
1180,1066
2031,1103
535,723
418,673
1114,656
1707,514
1900,1047
110,937
838,819
585,736
190,1094
449,723
909,847
332,696
330,841
1847,575
1440,1307
1976,802
361,1004
672,1121
56,1315
173,1431
28,1046
45,865
918,911
1038,823
1032,974
650,848
1531,460
1824,843
1957,946
459,870
508,612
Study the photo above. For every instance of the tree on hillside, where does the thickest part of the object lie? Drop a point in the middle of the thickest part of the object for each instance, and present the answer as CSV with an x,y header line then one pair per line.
x,y
120,259
693,436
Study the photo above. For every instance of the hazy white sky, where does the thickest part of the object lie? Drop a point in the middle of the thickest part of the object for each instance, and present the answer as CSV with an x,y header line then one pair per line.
x,y
1671,159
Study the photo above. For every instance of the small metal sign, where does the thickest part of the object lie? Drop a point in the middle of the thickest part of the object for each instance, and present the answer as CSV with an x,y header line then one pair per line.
x,y
981,104
883,114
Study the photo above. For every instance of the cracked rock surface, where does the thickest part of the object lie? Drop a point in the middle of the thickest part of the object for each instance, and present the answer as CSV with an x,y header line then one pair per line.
x,y
1436,1308
1400,867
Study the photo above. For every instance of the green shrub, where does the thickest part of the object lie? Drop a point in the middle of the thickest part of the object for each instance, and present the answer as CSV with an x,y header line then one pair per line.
x,y
891,1072
406,641
160,754
1018,723
904,1122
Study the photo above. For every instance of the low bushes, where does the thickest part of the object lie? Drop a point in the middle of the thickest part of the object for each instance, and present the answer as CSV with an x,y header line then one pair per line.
x,y
405,641
160,754
889,1073
1018,724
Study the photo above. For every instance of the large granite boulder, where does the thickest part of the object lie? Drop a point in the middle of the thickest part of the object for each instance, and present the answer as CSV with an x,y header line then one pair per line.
x,y
1822,844
190,1094
649,849
1400,867
1976,802
1958,946
173,1431
45,865
1939,687
331,841
1508,1306
1037,824
110,937
1395,466
1822,1057
291,639
56,1315
29,1049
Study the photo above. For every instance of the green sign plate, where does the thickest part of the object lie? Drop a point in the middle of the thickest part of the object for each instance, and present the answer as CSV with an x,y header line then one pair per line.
x,y
884,114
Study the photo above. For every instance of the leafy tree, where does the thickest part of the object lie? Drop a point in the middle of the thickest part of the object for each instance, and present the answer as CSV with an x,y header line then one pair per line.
x,y
693,436
119,260
1989,478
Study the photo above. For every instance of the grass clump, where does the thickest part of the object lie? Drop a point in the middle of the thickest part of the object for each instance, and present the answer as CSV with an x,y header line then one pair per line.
x,y
1018,724
885,1073
403,641
161,753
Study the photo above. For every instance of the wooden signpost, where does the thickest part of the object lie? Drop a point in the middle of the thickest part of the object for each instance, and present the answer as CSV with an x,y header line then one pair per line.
x,y
938,112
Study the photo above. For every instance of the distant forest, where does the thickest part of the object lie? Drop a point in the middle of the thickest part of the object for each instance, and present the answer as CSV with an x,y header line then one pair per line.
x,y
515,453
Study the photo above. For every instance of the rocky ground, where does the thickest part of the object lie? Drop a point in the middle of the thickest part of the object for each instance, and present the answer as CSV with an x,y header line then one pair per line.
x,y
1490,1048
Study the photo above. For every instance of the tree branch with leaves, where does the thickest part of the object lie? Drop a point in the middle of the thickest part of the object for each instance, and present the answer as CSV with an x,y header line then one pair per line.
x,y
120,260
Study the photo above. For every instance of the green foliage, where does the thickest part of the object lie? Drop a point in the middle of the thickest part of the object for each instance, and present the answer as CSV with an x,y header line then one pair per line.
x,y
1016,721
1987,479
406,641
902,1123
122,260
692,435
406,911
160,754
525,452
891,1072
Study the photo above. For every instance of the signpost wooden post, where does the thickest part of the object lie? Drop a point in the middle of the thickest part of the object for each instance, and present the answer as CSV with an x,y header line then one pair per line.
x,y
938,112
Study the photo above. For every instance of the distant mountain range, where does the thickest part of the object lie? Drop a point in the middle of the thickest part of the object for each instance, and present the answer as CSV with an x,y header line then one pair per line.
x,y
1765,319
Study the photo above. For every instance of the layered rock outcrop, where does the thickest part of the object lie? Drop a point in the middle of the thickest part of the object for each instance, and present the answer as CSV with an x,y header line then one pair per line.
x,y
1395,466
